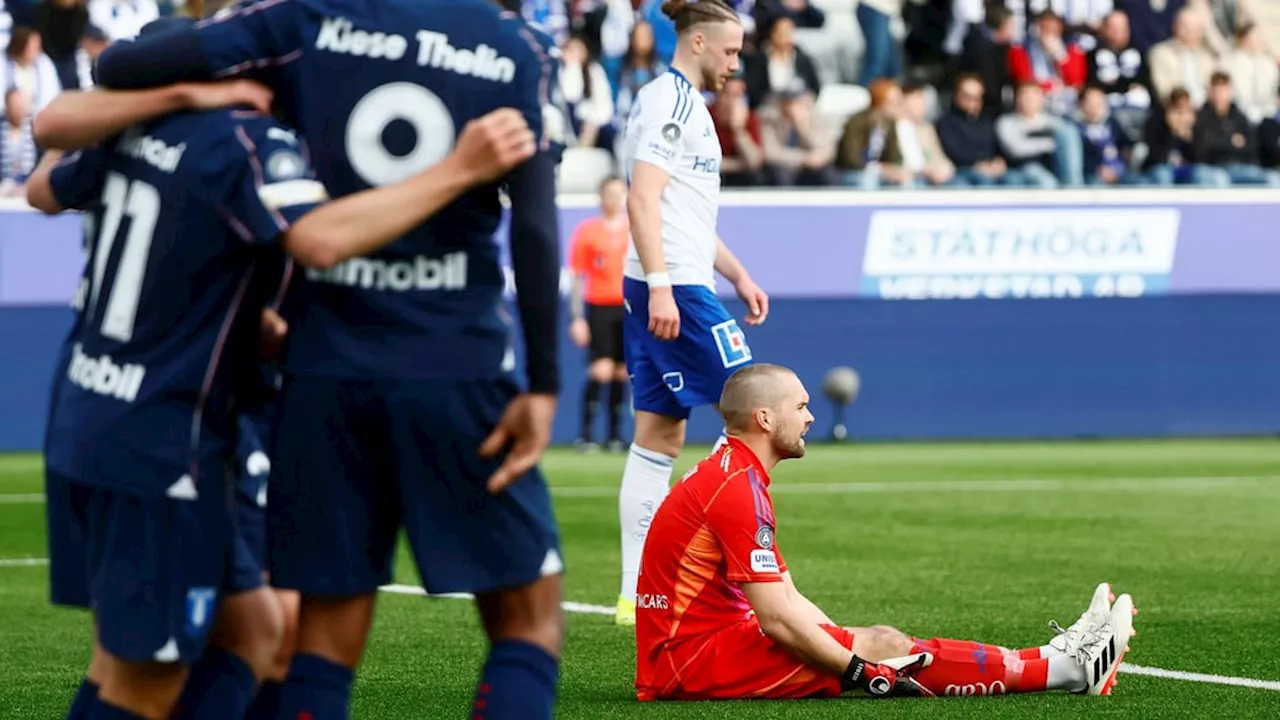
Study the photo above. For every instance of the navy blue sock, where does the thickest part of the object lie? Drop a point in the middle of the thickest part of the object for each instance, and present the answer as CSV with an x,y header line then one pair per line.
x,y
266,706
102,711
316,686
221,686
518,682
83,700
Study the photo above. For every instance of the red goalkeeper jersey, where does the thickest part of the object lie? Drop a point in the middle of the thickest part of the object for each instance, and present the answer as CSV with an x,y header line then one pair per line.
x,y
716,529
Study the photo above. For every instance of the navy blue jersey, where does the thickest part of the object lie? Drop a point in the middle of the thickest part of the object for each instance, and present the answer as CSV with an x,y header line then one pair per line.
x,y
168,310
380,90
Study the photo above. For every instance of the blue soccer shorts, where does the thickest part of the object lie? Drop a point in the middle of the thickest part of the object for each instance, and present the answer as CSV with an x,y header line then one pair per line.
x,y
150,567
356,461
672,377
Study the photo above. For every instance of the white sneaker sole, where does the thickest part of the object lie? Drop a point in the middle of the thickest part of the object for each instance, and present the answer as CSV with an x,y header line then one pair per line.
x,y
1102,672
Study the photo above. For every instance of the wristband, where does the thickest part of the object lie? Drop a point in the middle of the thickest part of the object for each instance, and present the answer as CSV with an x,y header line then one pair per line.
x,y
657,279
852,676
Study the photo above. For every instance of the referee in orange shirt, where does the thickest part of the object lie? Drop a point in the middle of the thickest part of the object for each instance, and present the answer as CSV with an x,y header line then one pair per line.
x,y
598,252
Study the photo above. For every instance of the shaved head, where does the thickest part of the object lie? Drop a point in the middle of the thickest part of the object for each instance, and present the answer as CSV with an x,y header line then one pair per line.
x,y
767,407
755,387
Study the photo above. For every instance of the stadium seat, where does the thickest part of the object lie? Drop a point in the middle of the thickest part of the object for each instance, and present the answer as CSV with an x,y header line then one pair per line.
x,y
583,169
823,48
843,33
837,103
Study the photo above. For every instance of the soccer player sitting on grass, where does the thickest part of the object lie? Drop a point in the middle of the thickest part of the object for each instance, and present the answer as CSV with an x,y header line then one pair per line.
x,y
718,616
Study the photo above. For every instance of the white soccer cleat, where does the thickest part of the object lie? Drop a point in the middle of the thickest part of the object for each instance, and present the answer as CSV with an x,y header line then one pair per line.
x,y
1105,649
1069,640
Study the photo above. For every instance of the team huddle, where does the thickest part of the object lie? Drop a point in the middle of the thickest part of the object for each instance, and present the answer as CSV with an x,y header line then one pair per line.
x,y
280,282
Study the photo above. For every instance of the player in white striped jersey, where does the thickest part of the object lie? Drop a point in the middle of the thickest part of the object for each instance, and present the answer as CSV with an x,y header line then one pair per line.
x,y
681,343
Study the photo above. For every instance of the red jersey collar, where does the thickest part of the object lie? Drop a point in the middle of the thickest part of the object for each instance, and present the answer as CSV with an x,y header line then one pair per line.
x,y
750,456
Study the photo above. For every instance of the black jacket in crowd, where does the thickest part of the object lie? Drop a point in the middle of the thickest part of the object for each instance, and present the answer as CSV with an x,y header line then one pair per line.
x,y
989,60
1163,147
967,140
1269,143
1223,140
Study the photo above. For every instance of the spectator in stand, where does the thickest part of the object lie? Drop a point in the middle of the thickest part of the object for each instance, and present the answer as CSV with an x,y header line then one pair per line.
x,y
801,12
969,137
1107,148
122,19
963,15
868,153
1150,20
985,54
1048,60
26,67
783,85
1168,135
1182,61
738,129
1083,19
640,65
880,57
1117,68
1269,143
780,69
797,145
1223,20
1254,74
922,156
617,23
61,24
18,152
1027,139
91,46
587,96
1224,139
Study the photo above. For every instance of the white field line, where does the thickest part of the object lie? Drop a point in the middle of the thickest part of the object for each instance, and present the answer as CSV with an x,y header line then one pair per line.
x,y
1092,483
575,607
23,562
21,498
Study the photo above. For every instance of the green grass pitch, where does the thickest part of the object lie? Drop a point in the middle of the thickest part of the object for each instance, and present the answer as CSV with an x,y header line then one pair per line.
x,y
981,541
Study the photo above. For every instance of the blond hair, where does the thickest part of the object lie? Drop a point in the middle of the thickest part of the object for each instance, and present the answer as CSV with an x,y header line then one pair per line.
x,y
687,14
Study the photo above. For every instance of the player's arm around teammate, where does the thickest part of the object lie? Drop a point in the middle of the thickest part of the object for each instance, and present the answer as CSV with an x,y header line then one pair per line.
x,y
354,225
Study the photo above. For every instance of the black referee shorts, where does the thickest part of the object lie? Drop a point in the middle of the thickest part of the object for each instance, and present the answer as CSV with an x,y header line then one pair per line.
x,y
605,323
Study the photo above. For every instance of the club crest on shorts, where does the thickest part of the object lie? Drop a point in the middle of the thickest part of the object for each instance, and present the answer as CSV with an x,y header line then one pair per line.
x,y
764,537
200,604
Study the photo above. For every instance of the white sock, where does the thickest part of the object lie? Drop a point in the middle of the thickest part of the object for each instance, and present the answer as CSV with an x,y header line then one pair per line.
x,y
1048,651
645,481
1065,674
724,438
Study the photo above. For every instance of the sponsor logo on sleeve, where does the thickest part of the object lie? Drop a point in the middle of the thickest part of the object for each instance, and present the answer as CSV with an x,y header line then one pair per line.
x,y
764,537
764,561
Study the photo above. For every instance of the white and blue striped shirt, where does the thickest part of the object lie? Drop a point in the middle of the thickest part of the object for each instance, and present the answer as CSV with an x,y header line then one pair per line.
x,y
670,127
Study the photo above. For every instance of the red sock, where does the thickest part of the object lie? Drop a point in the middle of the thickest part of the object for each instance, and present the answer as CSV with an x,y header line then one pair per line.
x,y
970,668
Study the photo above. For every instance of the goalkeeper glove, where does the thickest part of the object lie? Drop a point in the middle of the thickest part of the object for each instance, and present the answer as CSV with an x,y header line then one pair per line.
x,y
888,678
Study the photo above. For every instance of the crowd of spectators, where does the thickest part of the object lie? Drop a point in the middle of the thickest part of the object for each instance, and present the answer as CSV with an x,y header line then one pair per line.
x,y
862,93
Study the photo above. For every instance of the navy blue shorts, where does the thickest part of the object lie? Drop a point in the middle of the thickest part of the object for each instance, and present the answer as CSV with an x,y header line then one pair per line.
x,y
151,568
354,461
672,377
